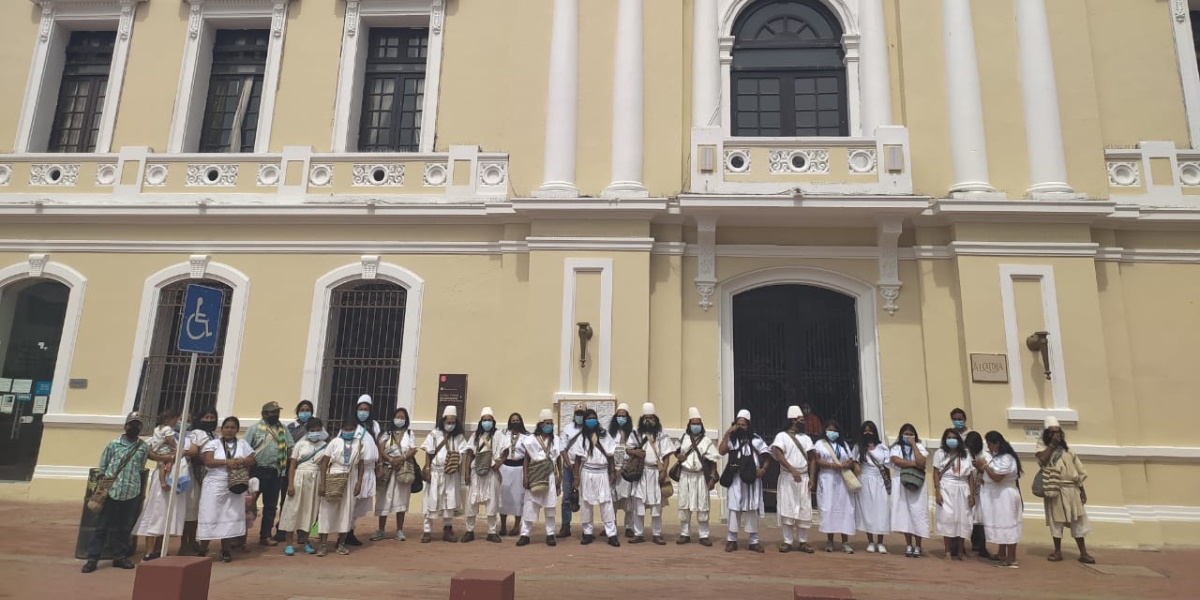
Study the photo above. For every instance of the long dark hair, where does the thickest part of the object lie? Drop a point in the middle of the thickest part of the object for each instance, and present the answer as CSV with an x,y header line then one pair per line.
x,y
961,450
235,422
199,415
866,440
588,444
458,427
900,436
653,430
974,443
1046,435
369,424
614,428
1003,447
391,425
302,403
520,419
479,432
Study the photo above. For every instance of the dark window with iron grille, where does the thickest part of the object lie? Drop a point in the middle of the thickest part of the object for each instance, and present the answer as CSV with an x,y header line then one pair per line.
x,y
362,349
1195,14
796,345
165,370
393,90
81,93
235,86
788,76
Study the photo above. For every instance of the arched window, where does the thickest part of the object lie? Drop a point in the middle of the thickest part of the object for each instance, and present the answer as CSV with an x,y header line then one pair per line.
x,y
788,75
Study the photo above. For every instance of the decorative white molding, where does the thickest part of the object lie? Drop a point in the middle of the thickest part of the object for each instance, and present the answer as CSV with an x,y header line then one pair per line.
x,y
888,232
5,174
1189,74
370,266
583,244
706,266
1017,351
737,160
562,104
199,265
106,175
212,175
147,315
493,174
1124,174
64,175
156,175
205,17
799,161
268,175
321,176
389,175
602,340
1040,249
1134,168
861,161
360,16
435,175
865,309
39,266
318,325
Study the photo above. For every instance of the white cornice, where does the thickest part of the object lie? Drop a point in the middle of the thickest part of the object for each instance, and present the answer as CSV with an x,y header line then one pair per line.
x,y
611,244
1043,249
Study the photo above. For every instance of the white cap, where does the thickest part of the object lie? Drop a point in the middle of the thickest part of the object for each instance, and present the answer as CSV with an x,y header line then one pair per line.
x,y
648,409
450,411
743,414
693,413
546,415
486,412
794,412
365,399
1050,422
623,406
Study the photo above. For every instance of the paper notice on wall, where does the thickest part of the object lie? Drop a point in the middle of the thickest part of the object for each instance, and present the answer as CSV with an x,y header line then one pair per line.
x,y
22,386
39,404
6,404
5,385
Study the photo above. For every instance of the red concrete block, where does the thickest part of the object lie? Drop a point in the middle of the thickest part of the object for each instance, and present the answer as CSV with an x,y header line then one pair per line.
x,y
805,592
173,578
480,584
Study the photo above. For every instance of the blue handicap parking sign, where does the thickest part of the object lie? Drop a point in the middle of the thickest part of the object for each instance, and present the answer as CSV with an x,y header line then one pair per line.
x,y
199,327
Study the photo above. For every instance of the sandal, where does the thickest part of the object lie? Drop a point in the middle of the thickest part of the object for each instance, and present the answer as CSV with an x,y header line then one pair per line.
x,y
226,556
805,548
1087,559
1057,557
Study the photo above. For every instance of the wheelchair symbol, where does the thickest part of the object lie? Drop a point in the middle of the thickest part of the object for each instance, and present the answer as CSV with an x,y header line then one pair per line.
x,y
198,319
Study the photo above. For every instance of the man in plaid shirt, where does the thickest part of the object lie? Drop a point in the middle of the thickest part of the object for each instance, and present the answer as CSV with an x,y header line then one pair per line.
x,y
123,505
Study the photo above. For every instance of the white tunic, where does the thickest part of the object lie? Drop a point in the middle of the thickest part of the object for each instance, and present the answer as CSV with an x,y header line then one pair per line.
x,y
647,489
740,496
621,490
222,513
394,499
370,455
833,499
1003,508
532,447
910,508
444,492
485,489
593,481
337,515
872,513
512,492
692,493
793,499
198,439
954,517
300,509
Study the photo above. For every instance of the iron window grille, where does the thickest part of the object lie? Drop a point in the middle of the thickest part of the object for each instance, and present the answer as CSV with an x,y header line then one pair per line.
x,y
81,93
393,90
235,86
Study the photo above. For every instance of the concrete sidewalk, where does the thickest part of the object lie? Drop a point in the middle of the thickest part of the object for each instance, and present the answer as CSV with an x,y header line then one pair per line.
x,y
37,563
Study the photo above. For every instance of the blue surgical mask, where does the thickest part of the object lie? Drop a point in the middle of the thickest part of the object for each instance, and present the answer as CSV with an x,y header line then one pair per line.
x,y
177,425
547,428
448,427
959,424
399,423
832,435
951,443
487,425
314,436
592,423
696,429
579,419
906,440
347,435
363,415
622,421
304,416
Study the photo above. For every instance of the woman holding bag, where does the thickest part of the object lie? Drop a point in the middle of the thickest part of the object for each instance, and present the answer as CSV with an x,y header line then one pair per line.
x,y
342,469
834,503
872,512
910,506
397,446
222,514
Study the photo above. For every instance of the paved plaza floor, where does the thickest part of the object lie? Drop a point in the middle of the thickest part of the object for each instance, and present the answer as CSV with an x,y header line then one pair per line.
x,y
36,562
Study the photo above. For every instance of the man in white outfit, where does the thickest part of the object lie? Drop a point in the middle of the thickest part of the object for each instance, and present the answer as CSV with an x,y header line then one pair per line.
x,y
655,448
536,448
793,451
745,497
698,457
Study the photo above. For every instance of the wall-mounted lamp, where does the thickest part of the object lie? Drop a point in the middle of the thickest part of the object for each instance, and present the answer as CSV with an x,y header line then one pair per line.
x,y
1039,341
585,334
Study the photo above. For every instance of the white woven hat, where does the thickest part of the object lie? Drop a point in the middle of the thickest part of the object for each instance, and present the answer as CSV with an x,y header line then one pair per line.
x,y
743,414
366,399
450,411
693,413
546,415
794,412
648,409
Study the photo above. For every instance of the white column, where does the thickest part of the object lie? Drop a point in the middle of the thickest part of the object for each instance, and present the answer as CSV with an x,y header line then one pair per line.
x,y
706,65
629,75
875,68
562,104
968,144
1039,92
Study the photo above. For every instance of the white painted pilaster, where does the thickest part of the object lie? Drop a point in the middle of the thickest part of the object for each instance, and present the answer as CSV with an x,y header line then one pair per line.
x,y
562,104
875,69
629,76
1039,93
968,143
706,66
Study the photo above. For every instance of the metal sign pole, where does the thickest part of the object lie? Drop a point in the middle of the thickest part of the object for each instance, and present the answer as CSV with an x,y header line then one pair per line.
x,y
183,423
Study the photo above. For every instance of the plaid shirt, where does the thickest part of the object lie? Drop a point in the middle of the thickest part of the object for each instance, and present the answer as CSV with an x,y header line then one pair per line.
x,y
128,483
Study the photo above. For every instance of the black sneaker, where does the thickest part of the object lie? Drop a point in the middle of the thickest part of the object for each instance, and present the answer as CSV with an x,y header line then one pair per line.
x,y
352,541
614,542
468,537
88,567
523,540
122,563
565,531
550,541
587,539
280,536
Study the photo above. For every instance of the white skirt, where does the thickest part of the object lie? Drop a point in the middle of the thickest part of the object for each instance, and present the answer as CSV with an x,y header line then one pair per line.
x,y
512,492
910,510
954,514
1003,511
300,510
834,503
793,499
647,488
444,492
394,499
594,487
871,511
484,488
154,515
692,492
364,501
336,516
222,513
549,498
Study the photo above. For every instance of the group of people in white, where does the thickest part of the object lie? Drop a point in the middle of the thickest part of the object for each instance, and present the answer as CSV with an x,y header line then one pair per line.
x,y
325,484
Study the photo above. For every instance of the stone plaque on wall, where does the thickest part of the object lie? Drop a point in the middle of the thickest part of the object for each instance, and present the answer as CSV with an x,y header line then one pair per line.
x,y
989,368
605,410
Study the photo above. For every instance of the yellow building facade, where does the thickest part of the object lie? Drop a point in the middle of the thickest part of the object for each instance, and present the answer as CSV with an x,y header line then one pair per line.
x,y
872,207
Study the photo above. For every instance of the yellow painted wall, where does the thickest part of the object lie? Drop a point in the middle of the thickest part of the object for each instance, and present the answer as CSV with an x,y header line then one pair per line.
x,y
19,29
148,98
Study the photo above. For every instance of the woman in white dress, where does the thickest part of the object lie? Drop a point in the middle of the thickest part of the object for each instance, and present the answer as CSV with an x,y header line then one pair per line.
x,y
834,503
952,475
443,494
299,513
620,428
543,445
203,428
222,514
910,507
872,513
368,431
152,524
481,473
1003,508
512,493
343,455
397,445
